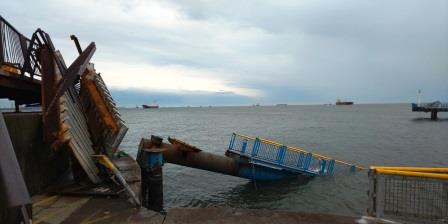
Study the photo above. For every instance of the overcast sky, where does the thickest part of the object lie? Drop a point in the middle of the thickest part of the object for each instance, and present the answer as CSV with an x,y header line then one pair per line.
x,y
245,52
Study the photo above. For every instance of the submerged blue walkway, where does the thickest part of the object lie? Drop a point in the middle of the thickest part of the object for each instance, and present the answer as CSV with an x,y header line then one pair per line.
x,y
273,155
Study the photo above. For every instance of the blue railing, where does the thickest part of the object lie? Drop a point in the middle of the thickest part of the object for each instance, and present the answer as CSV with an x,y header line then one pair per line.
x,y
273,154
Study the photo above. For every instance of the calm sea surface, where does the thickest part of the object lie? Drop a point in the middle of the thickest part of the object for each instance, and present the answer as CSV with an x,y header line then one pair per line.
x,y
365,134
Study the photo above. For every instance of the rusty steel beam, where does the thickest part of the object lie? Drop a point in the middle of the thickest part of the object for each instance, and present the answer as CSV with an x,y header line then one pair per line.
x,y
97,101
78,46
181,145
15,82
19,90
73,72
101,113
200,160
50,77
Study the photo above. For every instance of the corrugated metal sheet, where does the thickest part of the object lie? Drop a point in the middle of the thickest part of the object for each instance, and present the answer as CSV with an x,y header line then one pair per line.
x,y
113,141
75,130
102,113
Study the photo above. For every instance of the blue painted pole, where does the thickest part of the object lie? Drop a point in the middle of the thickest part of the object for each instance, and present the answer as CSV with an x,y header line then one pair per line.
x,y
330,168
150,160
300,159
281,154
256,147
232,141
323,166
244,146
307,162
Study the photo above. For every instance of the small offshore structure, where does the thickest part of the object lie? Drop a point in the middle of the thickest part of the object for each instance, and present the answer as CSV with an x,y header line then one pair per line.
x,y
433,108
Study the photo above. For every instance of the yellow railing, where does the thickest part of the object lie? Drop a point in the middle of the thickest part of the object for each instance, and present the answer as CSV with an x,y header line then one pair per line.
x,y
300,150
426,172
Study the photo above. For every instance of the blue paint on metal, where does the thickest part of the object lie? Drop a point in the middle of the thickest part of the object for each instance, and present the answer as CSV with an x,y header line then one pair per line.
x,y
244,146
281,154
255,147
307,162
330,168
353,168
300,159
149,160
261,173
323,169
154,159
277,157
232,141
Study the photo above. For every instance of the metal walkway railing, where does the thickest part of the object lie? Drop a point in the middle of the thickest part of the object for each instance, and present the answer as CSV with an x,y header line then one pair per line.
x,y
409,194
276,155
15,56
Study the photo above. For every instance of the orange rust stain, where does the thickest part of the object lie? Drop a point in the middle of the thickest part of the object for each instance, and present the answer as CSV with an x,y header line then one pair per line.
x,y
98,101
10,69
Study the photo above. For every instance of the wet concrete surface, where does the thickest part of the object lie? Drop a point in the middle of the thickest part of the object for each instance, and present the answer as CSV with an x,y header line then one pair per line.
x,y
259,216
70,209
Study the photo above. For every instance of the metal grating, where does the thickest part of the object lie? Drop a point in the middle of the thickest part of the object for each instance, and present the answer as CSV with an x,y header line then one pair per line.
x,y
102,113
416,199
274,154
76,132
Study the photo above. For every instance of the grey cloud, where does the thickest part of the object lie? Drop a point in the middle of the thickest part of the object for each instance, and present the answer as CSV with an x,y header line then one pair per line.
x,y
299,51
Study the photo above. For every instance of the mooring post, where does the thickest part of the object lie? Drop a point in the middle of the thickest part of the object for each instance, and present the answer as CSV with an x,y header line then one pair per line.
x,y
150,159
433,114
16,106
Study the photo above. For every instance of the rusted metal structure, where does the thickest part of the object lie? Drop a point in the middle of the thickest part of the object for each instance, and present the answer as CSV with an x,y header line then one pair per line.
x,y
101,113
150,160
78,112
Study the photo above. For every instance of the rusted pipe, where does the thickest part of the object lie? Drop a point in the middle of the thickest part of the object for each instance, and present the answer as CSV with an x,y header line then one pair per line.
x,y
200,160
78,46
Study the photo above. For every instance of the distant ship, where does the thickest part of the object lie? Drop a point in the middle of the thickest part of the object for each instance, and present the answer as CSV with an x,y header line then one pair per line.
x,y
340,102
154,105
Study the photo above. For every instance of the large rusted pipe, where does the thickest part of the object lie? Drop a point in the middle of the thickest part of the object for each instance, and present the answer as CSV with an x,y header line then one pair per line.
x,y
200,160
184,154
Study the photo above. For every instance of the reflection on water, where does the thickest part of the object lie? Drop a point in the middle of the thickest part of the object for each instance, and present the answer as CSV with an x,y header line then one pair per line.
x,y
258,192
424,119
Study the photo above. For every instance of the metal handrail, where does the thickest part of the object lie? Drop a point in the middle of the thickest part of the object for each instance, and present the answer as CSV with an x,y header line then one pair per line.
x,y
300,150
427,172
409,194
14,51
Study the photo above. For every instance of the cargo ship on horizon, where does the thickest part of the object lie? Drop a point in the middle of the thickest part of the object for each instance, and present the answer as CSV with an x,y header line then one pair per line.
x,y
340,102
154,105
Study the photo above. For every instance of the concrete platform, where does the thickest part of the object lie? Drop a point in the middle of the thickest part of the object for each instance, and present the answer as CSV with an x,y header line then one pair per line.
x,y
259,216
63,209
